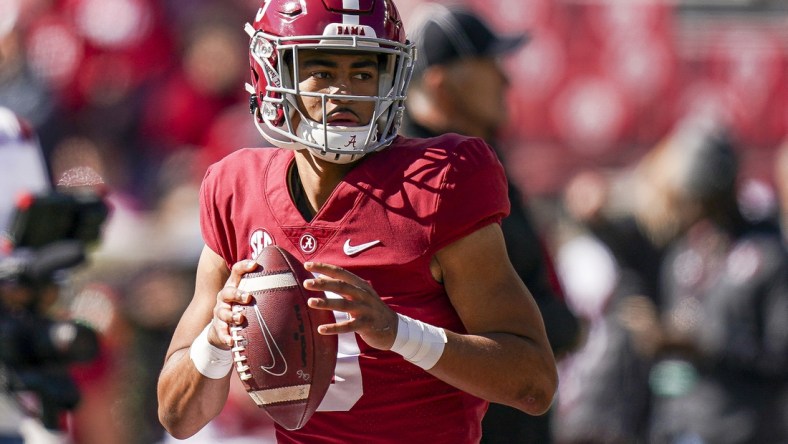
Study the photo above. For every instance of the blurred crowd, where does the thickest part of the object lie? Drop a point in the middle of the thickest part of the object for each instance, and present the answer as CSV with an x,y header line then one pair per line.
x,y
651,144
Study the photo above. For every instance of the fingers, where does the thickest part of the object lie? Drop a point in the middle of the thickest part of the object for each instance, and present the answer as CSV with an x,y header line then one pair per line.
x,y
238,270
345,322
371,319
221,331
346,326
334,304
335,272
366,325
331,278
359,309
227,310
232,295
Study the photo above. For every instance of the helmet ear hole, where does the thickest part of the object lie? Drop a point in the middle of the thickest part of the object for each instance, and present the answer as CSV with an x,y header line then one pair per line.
x,y
254,105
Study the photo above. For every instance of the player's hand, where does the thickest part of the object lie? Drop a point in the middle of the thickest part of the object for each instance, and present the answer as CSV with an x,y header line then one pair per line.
x,y
228,297
369,316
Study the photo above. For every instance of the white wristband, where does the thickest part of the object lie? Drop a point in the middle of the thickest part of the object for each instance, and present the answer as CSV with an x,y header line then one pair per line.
x,y
419,343
212,362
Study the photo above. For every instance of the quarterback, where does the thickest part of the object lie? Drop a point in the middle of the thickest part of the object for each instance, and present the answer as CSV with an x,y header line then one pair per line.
x,y
433,322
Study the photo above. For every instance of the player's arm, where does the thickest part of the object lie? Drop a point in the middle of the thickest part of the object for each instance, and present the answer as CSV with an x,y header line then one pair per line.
x,y
504,358
188,400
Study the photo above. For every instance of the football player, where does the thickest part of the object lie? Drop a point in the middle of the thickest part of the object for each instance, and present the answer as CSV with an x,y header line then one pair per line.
x,y
433,322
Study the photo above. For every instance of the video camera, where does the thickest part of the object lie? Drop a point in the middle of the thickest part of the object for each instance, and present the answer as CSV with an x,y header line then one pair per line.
x,y
48,234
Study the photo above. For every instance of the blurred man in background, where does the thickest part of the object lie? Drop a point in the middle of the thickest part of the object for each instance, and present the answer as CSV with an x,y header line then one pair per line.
x,y
460,86
701,297
781,175
720,372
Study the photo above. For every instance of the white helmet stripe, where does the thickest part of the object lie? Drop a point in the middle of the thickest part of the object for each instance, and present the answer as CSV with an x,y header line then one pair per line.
x,y
350,19
261,11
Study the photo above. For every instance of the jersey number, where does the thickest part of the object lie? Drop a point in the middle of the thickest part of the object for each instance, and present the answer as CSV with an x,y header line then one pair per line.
x,y
346,388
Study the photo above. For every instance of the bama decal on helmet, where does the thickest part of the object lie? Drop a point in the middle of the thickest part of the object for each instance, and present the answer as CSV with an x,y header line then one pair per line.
x,y
344,29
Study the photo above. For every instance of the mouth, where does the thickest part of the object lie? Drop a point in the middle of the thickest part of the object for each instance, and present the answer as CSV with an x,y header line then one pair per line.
x,y
343,117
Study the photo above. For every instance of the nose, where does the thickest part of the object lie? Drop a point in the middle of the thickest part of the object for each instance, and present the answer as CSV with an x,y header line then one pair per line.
x,y
342,84
338,90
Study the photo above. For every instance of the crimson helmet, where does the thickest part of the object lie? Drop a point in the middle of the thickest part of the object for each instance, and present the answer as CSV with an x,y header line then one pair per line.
x,y
282,28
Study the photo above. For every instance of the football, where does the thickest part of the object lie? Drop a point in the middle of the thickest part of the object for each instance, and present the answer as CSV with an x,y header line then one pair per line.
x,y
285,365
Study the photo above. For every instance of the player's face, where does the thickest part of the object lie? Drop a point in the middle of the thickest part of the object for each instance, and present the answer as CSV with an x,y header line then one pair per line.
x,y
349,74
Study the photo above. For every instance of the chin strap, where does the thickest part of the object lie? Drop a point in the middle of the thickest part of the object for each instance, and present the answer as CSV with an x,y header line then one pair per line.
x,y
351,140
347,143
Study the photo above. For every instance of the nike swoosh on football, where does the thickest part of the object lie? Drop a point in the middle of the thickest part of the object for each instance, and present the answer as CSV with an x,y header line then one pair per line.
x,y
352,250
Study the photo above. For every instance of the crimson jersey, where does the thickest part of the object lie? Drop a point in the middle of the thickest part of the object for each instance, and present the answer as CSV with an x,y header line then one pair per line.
x,y
383,222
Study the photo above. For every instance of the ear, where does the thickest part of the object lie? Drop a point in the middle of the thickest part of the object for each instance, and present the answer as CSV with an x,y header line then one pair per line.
x,y
436,83
434,77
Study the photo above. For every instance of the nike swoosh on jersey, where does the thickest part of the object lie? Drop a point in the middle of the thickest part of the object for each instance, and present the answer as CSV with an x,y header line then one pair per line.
x,y
352,250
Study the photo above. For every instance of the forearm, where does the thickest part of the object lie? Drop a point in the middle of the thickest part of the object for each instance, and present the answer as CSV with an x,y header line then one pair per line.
x,y
506,357
187,399
501,368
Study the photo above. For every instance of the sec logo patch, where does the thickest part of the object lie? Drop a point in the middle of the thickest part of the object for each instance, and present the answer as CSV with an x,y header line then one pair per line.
x,y
259,240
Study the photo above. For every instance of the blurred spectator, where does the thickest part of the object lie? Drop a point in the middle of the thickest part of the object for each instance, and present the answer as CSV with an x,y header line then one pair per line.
x,y
180,108
603,395
609,261
722,366
229,131
460,86
19,88
609,267
781,175
618,208
714,289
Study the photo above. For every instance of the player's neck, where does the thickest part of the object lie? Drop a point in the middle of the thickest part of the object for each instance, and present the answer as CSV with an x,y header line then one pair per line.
x,y
297,194
318,178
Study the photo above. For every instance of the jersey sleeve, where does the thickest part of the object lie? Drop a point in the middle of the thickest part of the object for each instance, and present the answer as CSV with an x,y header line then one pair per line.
x,y
473,193
214,218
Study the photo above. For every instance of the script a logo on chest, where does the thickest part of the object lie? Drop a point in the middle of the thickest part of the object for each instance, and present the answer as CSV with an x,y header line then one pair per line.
x,y
309,240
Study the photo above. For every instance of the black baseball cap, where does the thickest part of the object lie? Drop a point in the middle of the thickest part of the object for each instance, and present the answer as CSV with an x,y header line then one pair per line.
x,y
443,34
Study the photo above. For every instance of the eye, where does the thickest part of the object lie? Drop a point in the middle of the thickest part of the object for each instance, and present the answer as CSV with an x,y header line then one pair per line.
x,y
364,76
320,75
367,74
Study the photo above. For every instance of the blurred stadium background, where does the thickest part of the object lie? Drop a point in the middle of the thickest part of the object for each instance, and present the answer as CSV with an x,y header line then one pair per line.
x,y
600,82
